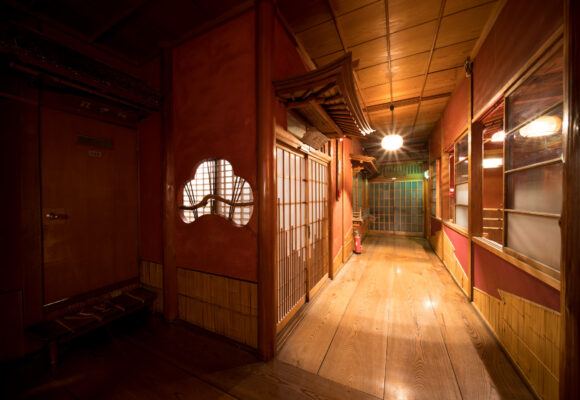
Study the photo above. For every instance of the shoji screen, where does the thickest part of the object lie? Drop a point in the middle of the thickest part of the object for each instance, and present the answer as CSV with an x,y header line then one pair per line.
x,y
397,206
292,230
318,217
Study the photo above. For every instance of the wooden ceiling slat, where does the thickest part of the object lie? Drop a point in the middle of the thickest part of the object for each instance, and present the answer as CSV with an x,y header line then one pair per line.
x,y
322,61
344,6
451,56
370,53
321,40
409,67
453,6
407,88
443,81
412,41
373,76
364,24
376,94
407,13
464,25
303,14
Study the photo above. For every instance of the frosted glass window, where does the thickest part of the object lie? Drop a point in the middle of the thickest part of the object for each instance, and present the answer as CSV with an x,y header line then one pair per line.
x,y
538,92
525,150
536,237
461,194
537,189
461,216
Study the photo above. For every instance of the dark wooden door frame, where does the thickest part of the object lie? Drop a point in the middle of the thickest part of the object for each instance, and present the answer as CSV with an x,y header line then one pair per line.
x,y
570,294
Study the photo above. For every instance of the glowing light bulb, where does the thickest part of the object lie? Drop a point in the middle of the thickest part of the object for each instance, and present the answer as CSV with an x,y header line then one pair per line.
x,y
392,142
543,126
498,136
492,162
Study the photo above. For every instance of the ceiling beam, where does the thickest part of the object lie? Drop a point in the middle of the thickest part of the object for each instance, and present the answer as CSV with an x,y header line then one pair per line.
x,y
116,20
436,34
406,102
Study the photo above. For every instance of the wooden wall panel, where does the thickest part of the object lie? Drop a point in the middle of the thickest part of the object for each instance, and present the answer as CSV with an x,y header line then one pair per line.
x,y
454,119
453,265
436,241
530,334
520,30
348,247
151,277
226,306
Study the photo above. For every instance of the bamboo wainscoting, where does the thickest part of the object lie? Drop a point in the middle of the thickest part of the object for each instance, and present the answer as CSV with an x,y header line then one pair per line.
x,y
529,333
151,278
219,304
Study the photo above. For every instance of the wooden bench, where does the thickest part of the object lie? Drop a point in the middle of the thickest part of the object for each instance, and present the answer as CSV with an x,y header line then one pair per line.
x,y
75,324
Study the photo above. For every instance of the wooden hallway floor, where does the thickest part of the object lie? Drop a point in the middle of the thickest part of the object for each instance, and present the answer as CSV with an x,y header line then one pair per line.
x,y
395,325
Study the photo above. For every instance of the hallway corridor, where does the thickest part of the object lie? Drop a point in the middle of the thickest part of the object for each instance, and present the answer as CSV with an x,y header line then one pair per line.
x,y
394,324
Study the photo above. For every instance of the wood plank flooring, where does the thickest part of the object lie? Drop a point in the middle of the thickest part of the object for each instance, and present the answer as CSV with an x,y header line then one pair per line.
x,y
393,324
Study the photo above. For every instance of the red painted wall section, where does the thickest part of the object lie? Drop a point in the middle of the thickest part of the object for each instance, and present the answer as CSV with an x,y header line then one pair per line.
x,y
214,116
435,226
347,187
461,245
435,143
287,63
520,30
491,273
454,119
151,188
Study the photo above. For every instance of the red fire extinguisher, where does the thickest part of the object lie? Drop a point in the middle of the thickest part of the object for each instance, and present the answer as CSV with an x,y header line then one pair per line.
x,y
357,243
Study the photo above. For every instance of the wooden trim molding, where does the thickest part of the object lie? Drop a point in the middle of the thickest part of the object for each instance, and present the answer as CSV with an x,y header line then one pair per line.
x,y
169,193
570,293
456,228
496,249
267,294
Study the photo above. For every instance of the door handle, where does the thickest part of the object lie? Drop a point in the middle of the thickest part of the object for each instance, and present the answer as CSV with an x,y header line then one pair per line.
x,y
53,216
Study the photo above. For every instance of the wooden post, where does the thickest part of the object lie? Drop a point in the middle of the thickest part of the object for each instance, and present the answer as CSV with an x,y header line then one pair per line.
x,y
266,179
570,294
331,199
169,196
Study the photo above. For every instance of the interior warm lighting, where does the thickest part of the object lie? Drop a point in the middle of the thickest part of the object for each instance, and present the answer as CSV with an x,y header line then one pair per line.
x,y
543,126
392,142
426,174
498,136
492,162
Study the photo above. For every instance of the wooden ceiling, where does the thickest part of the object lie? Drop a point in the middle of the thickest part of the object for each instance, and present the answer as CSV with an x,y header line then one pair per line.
x,y
413,62
132,30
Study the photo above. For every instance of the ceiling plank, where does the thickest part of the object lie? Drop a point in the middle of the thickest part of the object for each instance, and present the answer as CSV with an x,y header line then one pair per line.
x,y
116,20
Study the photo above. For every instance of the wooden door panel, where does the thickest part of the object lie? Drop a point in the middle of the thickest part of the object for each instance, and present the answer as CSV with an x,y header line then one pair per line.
x,y
89,198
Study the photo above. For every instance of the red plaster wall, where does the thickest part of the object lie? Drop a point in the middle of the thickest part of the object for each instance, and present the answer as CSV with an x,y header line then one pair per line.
x,y
461,245
520,30
454,119
214,115
151,188
347,187
491,273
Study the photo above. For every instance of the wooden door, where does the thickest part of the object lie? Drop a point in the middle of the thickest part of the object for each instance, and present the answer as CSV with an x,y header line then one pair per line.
x,y
89,204
397,207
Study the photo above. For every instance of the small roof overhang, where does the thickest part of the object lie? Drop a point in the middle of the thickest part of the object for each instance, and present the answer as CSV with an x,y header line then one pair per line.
x,y
327,99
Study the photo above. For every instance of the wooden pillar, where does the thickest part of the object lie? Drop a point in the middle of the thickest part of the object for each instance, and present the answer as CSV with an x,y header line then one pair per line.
x,y
266,179
331,200
570,294
169,196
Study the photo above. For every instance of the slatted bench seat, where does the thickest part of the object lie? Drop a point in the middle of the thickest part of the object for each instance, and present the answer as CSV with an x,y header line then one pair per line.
x,y
75,324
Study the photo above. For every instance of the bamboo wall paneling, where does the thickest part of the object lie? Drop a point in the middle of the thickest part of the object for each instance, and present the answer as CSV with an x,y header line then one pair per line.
x,y
454,266
151,278
530,334
570,295
223,305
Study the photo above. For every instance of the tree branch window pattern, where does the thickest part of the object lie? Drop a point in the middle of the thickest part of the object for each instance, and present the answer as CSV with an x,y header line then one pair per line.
x,y
215,189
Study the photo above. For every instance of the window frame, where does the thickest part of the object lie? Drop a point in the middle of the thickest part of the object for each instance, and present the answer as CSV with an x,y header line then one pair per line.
x,y
537,65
